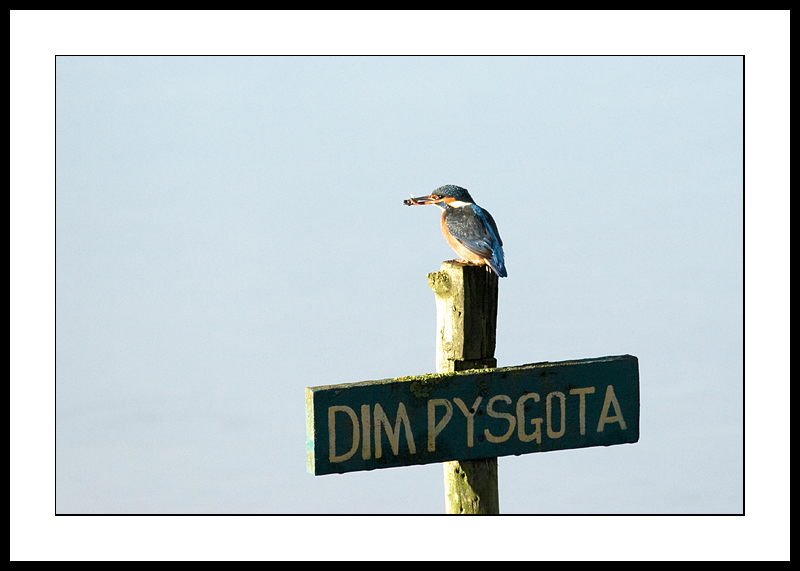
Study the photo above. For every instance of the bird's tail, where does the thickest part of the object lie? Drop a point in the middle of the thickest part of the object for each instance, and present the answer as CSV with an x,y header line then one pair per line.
x,y
498,264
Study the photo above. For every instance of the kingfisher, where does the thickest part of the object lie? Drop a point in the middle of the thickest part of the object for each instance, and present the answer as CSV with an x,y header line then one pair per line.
x,y
469,229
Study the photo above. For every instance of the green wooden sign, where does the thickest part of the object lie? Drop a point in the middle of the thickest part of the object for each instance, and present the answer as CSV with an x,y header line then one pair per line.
x,y
472,414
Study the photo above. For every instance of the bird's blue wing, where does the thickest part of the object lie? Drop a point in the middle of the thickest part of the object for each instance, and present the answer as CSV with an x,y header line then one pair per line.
x,y
475,228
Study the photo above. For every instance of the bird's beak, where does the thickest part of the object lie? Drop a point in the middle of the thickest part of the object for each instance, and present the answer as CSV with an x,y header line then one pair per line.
x,y
430,199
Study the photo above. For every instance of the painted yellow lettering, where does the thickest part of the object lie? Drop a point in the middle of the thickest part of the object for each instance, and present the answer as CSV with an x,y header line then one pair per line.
x,y
537,422
494,414
470,414
549,408
611,400
332,410
381,419
582,407
435,428
365,429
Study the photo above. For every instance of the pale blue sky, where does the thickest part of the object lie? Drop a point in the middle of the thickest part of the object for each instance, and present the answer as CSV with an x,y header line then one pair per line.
x,y
230,230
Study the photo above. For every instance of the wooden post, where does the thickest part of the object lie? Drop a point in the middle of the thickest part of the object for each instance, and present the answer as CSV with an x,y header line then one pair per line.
x,y
466,318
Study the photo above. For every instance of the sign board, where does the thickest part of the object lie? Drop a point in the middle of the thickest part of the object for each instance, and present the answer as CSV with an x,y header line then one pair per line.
x,y
472,414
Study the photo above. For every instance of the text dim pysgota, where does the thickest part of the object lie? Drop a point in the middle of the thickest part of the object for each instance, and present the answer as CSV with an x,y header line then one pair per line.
x,y
486,413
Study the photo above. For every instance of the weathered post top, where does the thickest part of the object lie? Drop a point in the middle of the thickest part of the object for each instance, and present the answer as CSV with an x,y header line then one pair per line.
x,y
466,316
